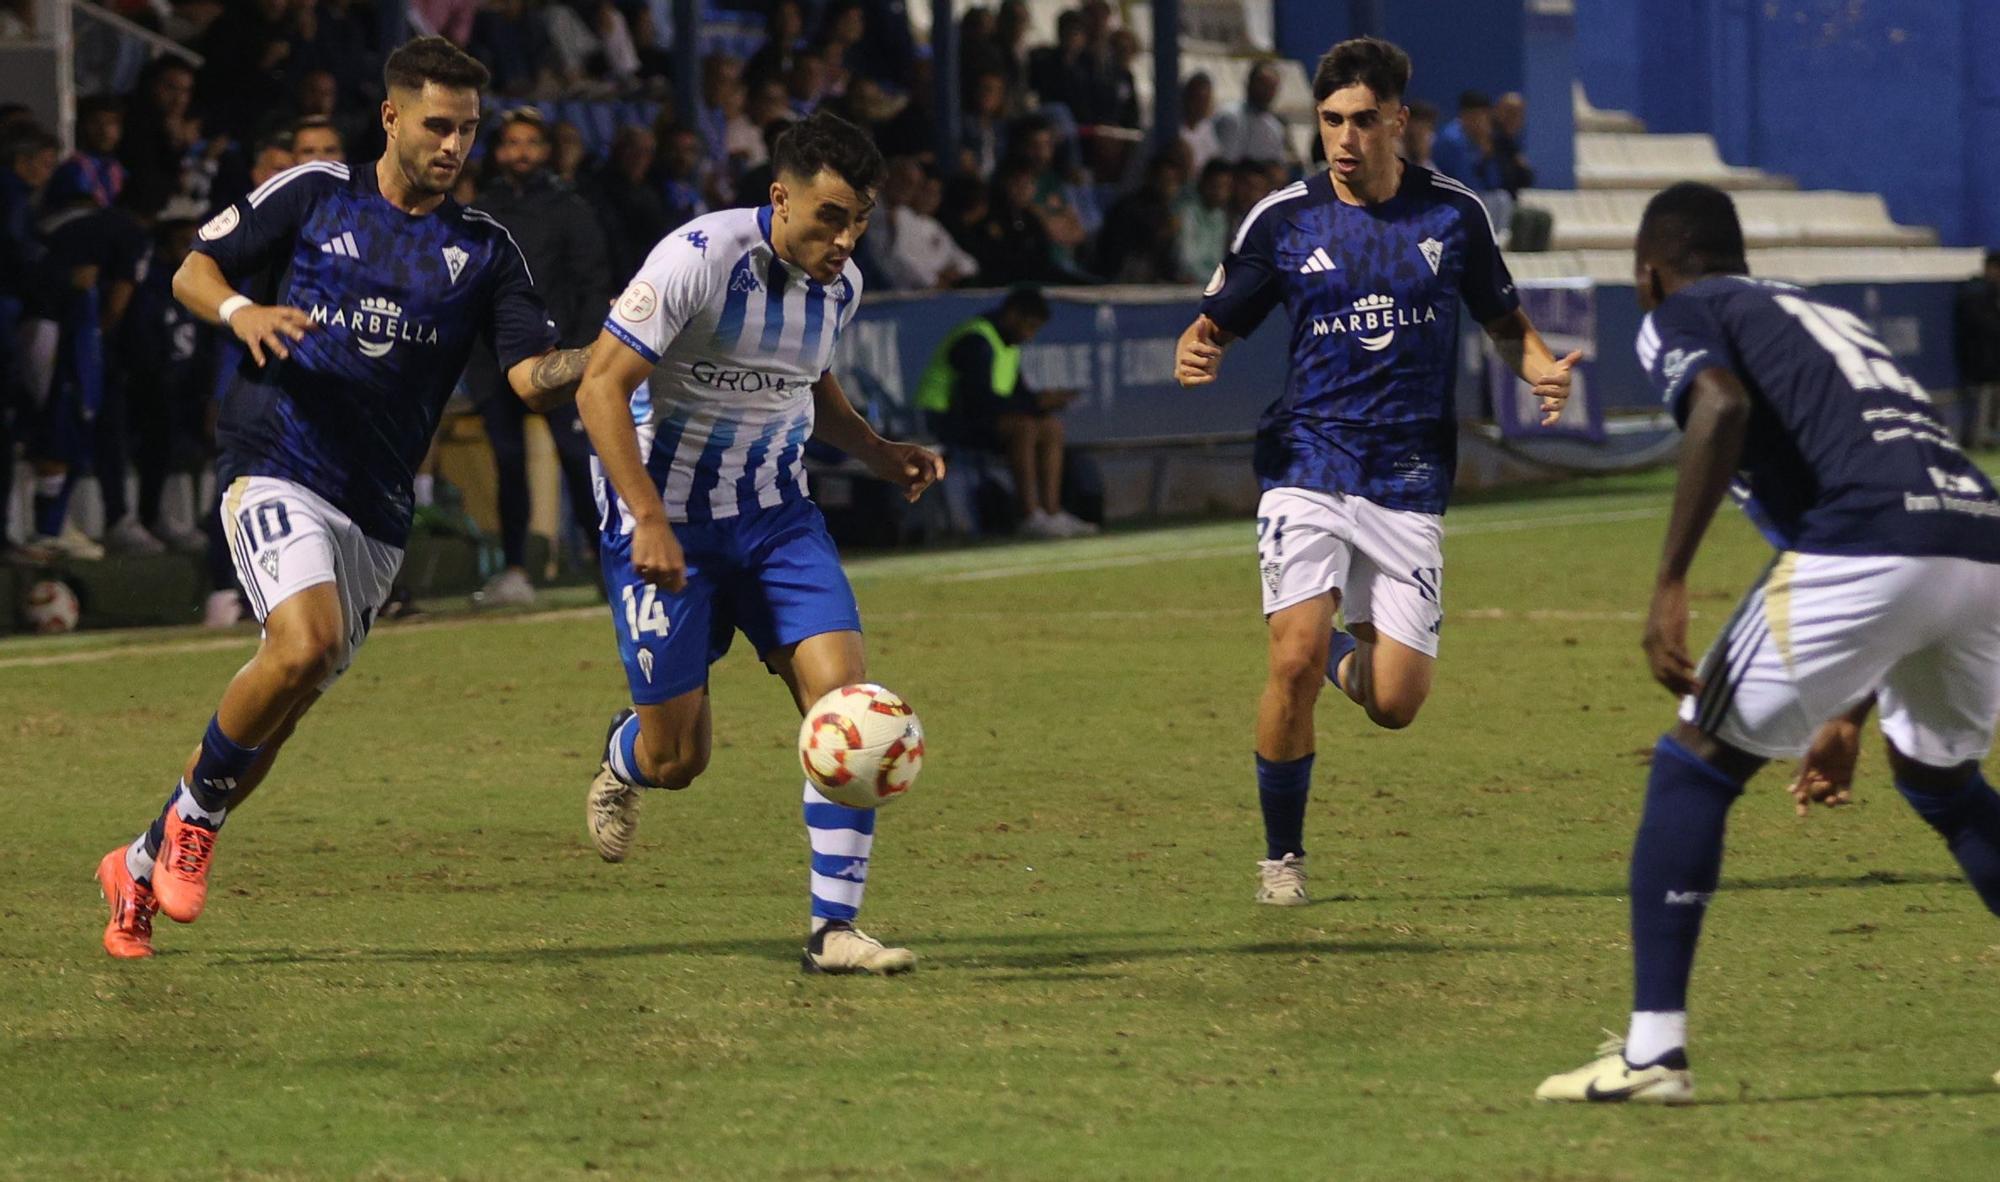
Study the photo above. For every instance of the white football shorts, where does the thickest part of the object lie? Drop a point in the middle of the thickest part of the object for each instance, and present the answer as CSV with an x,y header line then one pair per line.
x,y
285,538
1386,564
1821,632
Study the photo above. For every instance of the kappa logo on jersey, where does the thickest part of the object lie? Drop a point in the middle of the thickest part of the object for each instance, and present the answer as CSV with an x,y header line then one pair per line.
x,y
1318,261
1377,317
1433,252
1677,362
342,246
638,302
454,261
221,224
745,282
377,318
698,240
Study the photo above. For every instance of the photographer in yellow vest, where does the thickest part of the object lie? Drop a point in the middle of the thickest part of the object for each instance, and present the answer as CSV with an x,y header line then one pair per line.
x,y
973,396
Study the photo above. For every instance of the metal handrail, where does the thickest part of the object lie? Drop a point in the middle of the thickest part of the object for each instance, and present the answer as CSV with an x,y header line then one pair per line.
x,y
160,44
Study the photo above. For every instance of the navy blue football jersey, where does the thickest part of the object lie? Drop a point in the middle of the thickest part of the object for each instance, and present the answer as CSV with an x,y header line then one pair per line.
x,y
1373,292
397,304
1843,454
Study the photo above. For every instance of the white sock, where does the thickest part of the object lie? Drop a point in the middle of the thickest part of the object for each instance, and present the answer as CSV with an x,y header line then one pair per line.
x,y
1653,1033
138,863
189,810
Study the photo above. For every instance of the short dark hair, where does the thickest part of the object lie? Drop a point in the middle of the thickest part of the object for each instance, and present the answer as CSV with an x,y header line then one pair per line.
x,y
825,140
530,115
1027,302
1377,64
1423,112
99,104
1474,100
316,123
1692,228
433,59
26,141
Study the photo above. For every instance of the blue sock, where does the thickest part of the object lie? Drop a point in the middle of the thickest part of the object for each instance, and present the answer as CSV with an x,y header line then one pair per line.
x,y
1969,820
620,752
51,504
216,771
1676,863
1336,652
1281,790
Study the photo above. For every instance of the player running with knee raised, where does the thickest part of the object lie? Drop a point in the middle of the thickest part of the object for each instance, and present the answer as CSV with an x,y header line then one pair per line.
x,y
1885,590
375,288
1372,259
726,333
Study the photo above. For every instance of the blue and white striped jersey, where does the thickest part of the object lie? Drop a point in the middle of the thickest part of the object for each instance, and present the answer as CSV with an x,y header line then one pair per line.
x,y
737,337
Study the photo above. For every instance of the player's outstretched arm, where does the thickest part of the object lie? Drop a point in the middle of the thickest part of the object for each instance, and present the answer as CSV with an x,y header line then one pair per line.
x,y
1198,355
604,403
548,381
909,466
203,289
1528,355
1718,416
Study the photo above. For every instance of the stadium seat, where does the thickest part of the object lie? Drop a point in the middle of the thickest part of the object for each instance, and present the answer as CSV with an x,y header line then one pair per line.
x,y
1605,218
1625,160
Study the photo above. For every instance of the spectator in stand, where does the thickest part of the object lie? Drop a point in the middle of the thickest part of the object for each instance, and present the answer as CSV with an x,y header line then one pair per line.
x,y
1010,34
93,169
1011,242
634,214
163,139
978,48
1198,120
247,52
755,187
448,18
981,130
973,396
617,59
842,26
783,30
571,154
316,138
1252,131
28,157
1061,73
1122,95
1464,147
679,176
1141,240
1976,341
168,357
332,36
887,49
769,103
1419,134
912,131
1510,124
559,236
1034,143
510,39
1249,183
1202,222
922,254
806,84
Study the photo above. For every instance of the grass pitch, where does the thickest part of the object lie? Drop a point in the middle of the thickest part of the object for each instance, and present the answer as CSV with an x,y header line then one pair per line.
x,y
414,966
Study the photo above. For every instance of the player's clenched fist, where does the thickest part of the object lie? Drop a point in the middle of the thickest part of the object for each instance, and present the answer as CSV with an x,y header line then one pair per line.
x,y
657,557
1552,388
1199,354
264,328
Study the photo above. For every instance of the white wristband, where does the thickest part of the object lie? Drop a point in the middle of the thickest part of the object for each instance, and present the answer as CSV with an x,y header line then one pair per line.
x,y
232,306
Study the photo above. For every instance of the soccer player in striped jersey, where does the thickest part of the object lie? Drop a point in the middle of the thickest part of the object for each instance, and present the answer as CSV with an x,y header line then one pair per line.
x,y
1885,592
709,377
373,288
1372,259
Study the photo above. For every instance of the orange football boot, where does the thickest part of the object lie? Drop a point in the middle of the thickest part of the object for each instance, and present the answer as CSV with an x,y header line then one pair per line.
x,y
129,935
180,877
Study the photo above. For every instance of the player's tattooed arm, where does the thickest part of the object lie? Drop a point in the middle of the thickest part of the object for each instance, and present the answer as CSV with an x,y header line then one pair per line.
x,y
1718,416
1528,355
550,379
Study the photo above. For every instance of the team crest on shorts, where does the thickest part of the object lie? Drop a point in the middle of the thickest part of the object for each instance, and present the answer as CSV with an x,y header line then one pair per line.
x,y
221,224
646,664
268,559
1271,572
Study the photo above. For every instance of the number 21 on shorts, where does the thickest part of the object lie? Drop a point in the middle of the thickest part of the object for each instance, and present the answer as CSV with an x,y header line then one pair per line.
x,y
645,615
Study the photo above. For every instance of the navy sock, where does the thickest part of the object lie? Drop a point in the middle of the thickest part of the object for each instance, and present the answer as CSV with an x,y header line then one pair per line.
x,y
1336,652
216,771
1969,820
1281,790
1676,863
51,504
156,834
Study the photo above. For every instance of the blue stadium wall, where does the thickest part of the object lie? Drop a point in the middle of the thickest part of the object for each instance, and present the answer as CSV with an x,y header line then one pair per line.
x,y
1900,97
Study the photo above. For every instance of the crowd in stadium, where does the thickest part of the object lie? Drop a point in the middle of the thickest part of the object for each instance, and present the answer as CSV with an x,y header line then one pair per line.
x,y
1054,181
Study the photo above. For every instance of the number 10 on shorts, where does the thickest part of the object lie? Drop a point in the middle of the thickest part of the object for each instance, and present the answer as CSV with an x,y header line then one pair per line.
x,y
644,613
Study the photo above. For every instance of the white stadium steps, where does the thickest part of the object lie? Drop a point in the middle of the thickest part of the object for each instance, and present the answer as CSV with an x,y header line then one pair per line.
x,y
1593,219
1589,118
1797,264
1636,160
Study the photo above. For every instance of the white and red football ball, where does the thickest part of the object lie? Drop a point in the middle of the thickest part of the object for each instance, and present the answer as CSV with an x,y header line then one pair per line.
x,y
861,746
51,607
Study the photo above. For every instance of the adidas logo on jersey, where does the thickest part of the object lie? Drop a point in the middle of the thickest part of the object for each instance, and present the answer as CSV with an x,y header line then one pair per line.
x,y
342,246
1317,262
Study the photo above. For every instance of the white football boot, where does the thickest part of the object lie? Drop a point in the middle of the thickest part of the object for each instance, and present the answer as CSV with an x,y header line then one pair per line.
x,y
838,948
1282,882
1609,1079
